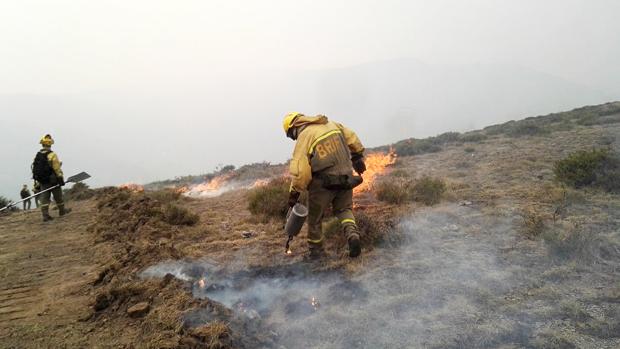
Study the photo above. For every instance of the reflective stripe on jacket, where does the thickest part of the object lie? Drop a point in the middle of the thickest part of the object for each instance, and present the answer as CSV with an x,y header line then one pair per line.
x,y
322,146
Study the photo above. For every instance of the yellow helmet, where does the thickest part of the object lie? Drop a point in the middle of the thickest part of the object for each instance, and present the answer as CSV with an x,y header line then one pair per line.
x,y
288,120
47,141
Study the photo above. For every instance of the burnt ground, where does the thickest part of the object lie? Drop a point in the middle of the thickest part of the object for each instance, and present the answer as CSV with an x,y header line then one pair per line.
x,y
467,273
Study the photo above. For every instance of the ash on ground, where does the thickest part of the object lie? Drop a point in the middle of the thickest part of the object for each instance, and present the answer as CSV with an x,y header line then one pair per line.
x,y
460,279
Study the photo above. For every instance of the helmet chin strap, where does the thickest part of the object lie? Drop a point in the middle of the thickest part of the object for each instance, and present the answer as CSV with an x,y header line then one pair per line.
x,y
292,133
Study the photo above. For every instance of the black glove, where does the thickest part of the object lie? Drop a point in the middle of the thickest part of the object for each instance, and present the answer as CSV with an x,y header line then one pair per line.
x,y
293,198
358,163
61,181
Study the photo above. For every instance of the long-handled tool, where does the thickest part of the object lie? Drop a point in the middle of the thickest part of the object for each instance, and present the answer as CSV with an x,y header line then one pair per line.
x,y
73,179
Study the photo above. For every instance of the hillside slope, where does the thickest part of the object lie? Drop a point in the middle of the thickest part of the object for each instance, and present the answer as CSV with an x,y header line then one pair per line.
x,y
472,271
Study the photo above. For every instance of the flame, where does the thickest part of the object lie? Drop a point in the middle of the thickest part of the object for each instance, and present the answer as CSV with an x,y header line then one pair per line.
x,y
289,252
182,190
376,164
133,187
210,188
213,185
219,185
260,183
202,283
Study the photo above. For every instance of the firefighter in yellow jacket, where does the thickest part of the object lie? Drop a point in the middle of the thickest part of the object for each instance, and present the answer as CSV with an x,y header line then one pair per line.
x,y
324,156
46,170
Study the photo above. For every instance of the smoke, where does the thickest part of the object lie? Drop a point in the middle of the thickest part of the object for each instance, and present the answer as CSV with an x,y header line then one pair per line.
x,y
455,281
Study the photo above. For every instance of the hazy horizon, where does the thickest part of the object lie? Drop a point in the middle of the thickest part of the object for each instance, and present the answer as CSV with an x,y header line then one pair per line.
x,y
152,90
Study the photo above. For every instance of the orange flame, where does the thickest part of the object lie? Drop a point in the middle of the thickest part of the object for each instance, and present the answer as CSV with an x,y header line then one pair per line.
x,y
133,187
219,185
376,165
259,183
213,185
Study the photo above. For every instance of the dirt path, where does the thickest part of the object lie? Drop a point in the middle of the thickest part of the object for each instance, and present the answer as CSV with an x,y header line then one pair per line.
x,y
44,271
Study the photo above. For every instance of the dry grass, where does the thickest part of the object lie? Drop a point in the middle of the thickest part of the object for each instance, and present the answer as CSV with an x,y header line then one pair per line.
x,y
533,223
214,335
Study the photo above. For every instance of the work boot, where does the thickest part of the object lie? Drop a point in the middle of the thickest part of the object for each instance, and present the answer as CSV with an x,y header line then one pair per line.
x,y
46,215
62,210
353,238
355,246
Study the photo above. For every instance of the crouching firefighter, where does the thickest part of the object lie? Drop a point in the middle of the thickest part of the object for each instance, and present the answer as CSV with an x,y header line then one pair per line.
x,y
46,170
325,153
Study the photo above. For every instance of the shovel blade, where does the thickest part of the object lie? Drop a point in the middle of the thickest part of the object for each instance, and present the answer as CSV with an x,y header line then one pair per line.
x,y
78,177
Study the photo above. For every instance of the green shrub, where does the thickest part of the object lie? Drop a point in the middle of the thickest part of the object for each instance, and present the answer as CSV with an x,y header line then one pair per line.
x,y
177,215
593,119
394,191
415,147
527,128
79,191
270,200
598,168
498,129
4,201
609,109
474,137
447,137
428,190
587,119
469,150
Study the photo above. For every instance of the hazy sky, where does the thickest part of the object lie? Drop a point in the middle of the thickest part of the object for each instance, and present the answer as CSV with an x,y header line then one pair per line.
x,y
144,90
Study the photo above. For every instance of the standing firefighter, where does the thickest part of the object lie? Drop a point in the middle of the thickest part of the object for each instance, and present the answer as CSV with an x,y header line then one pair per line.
x,y
24,193
324,155
47,172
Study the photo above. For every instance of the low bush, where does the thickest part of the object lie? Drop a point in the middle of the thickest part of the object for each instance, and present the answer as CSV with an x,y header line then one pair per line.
x,y
499,129
79,191
527,128
588,119
447,137
474,137
4,201
394,191
164,196
177,215
270,200
469,150
598,168
428,190
416,147
565,125
573,244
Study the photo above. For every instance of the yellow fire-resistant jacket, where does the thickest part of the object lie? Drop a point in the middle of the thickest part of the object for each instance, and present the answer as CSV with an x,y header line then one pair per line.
x,y
322,146
54,162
